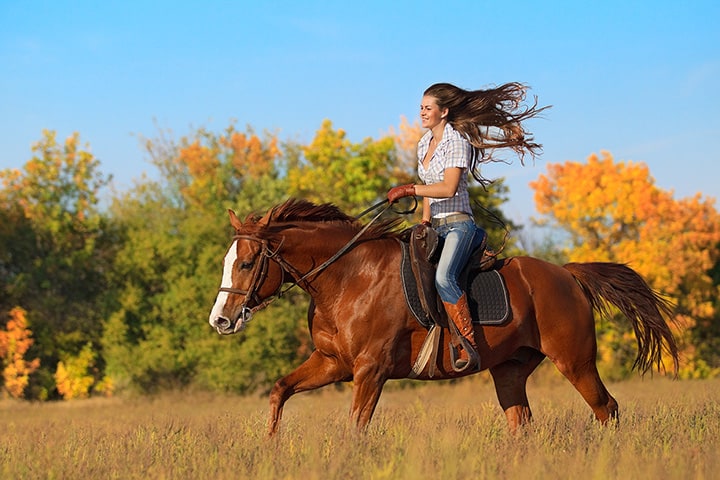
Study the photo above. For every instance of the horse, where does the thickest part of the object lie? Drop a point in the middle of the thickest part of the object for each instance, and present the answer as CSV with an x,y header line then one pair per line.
x,y
363,331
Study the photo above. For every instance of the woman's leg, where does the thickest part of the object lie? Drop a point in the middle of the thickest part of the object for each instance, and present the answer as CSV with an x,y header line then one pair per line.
x,y
460,240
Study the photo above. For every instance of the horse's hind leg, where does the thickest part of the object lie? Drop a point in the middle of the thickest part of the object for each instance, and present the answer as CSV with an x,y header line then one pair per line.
x,y
317,371
510,380
590,386
583,374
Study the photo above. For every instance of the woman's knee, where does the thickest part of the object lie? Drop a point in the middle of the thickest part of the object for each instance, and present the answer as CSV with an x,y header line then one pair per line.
x,y
443,283
448,289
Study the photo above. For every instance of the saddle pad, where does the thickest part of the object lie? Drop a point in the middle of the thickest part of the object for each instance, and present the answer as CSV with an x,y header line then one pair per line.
x,y
488,298
487,295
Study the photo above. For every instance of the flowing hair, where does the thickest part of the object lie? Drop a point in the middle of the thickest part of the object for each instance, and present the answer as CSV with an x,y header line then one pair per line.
x,y
490,119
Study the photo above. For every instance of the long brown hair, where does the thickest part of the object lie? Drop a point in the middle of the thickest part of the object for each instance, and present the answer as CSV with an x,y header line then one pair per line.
x,y
503,107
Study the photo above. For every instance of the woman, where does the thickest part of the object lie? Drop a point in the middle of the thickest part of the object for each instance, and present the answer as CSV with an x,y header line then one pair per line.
x,y
464,129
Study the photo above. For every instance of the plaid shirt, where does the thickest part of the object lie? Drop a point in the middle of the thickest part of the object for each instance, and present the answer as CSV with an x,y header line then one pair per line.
x,y
453,151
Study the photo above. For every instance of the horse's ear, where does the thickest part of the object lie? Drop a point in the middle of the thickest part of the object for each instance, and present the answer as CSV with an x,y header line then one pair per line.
x,y
234,220
264,221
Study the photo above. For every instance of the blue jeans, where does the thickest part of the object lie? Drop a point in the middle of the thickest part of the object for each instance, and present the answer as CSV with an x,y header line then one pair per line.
x,y
461,238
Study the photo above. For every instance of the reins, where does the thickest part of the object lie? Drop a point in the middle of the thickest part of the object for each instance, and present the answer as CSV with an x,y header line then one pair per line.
x,y
352,241
267,253
347,246
382,202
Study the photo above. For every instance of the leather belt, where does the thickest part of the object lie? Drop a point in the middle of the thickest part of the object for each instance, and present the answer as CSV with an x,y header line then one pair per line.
x,y
454,218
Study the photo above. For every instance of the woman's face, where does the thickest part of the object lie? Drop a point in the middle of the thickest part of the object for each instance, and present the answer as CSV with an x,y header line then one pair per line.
x,y
430,113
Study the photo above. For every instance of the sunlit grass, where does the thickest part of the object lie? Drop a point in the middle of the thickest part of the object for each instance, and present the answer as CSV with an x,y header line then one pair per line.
x,y
668,430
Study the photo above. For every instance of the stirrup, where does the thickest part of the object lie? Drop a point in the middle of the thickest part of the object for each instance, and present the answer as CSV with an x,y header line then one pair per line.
x,y
460,364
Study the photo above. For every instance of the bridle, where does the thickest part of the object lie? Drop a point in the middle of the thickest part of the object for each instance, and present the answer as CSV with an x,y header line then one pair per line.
x,y
266,254
259,274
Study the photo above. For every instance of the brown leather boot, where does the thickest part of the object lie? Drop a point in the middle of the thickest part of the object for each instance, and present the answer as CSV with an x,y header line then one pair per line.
x,y
460,315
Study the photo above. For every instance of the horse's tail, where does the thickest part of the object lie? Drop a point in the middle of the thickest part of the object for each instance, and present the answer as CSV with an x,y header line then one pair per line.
x,y
620,285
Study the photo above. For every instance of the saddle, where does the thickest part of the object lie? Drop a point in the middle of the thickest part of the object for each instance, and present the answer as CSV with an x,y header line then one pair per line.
x,y
482,283
484,286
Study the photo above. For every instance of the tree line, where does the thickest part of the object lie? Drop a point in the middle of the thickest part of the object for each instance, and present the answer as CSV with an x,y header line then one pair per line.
x,y
104,291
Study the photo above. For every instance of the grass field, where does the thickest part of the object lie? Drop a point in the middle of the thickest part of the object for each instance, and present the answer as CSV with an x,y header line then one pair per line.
x,y
668,430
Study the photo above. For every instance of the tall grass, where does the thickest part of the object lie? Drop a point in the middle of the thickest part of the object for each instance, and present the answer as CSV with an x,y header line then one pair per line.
x,y
668,430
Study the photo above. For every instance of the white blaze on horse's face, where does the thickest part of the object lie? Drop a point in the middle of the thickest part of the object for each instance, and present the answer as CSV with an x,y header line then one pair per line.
x,y
217,319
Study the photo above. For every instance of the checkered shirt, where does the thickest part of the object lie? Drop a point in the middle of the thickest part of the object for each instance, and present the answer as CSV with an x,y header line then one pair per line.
x,y
453,151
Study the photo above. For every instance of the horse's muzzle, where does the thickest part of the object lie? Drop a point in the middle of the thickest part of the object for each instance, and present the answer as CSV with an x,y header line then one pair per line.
x,y
225,326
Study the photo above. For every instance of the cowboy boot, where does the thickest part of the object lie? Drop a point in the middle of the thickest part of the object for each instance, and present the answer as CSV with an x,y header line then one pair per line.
x,y
460,315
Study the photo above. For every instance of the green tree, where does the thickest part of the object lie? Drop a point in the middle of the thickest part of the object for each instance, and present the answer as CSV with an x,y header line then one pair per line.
x,y
175,233
335,170
487,203
57,249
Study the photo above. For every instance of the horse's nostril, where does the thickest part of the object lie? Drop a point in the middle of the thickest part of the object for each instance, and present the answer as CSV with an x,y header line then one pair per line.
x,y
222,323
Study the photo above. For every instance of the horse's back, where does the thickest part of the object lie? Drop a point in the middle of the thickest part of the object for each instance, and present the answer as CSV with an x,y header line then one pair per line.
x,y
535,273
545,291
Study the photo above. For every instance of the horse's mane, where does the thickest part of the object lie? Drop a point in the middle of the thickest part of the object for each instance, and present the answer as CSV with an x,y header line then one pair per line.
x,y
299,210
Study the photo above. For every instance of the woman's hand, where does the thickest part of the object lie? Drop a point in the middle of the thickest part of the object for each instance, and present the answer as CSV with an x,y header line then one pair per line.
x,y
396,193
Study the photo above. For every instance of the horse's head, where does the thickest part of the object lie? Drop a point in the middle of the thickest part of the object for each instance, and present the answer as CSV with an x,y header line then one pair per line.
x,y
249,277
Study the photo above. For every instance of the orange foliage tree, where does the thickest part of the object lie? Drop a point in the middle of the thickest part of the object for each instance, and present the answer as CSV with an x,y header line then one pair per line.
x,y
14,344
207,168
613,211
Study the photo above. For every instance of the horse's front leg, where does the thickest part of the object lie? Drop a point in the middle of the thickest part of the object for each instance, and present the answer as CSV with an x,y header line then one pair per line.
x,y
315,372
368,382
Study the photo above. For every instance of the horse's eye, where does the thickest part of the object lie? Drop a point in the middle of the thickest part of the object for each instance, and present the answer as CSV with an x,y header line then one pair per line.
x,y
246,265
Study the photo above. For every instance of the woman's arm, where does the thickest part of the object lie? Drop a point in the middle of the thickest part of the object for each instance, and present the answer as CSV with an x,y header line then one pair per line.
x,y
445,189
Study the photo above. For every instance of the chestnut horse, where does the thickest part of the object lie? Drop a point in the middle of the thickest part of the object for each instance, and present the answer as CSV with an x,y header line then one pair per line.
x,y
363,331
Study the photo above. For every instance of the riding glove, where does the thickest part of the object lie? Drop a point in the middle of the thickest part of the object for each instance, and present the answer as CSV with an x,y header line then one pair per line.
x,y
401,191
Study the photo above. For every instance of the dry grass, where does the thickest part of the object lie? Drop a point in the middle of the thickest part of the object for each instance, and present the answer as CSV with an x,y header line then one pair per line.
x,y
668,430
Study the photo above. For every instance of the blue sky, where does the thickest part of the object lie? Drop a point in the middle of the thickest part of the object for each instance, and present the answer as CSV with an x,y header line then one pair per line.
x,y
638,79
